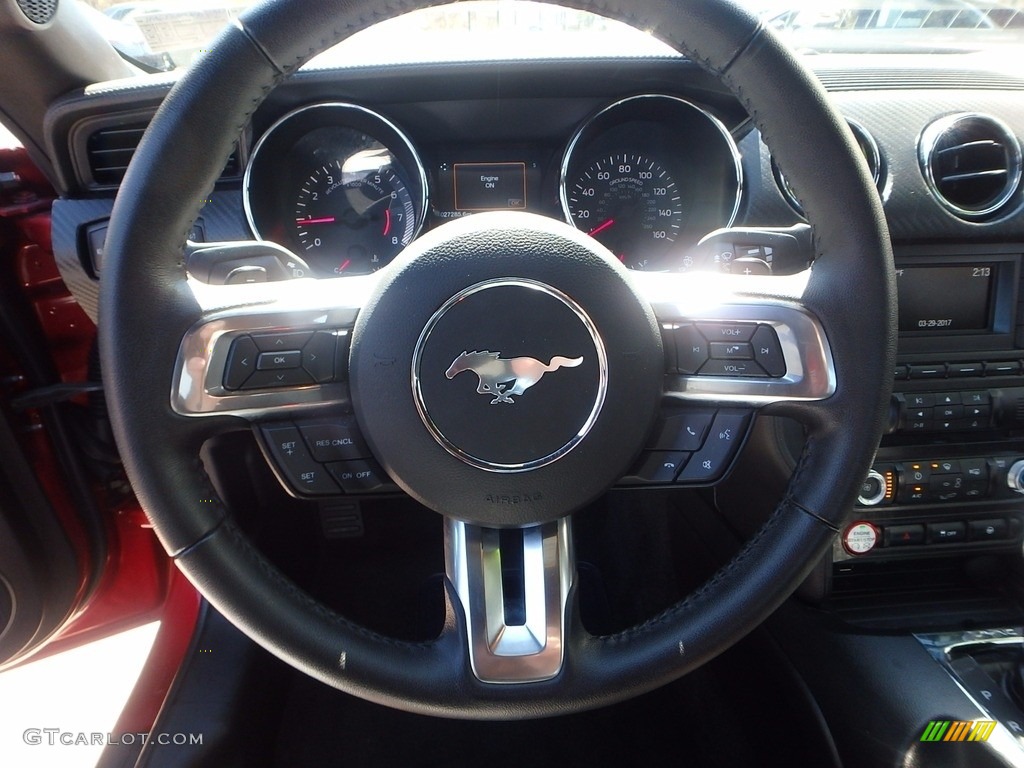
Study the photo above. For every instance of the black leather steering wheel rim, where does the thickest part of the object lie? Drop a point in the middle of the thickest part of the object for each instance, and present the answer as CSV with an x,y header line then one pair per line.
x,y
851,289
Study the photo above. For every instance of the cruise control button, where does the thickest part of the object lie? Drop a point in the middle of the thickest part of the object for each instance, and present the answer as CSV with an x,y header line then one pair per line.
x,y
711,461
295,464
318,356
656,467
361,476
692,349
276,342
768,351
338,440
274,361
241,362
727,331
732,368
682,431
291,377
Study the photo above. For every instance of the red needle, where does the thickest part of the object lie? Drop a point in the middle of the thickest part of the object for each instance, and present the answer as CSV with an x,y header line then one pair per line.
x,y
322,220
601,227
344,265
387,221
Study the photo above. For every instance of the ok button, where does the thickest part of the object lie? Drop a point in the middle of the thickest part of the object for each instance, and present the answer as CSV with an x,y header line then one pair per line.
x,y
276,361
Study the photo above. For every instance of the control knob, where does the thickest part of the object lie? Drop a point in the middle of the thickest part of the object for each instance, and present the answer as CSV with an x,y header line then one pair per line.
x,y
872,491
1015,476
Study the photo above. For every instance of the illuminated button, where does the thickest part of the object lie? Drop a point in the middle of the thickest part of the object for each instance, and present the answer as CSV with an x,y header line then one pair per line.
x,y
860,538
916,472
904,535
944,466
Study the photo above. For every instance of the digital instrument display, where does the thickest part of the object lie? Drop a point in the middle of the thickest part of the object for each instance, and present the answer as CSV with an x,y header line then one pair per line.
x,y
490,186
945,298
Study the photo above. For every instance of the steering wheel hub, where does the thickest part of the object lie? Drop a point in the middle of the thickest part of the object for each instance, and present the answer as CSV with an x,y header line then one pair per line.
x,y
486,358
514,335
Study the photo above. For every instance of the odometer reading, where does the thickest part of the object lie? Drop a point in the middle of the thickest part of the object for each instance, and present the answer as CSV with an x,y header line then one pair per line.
x,y
630,204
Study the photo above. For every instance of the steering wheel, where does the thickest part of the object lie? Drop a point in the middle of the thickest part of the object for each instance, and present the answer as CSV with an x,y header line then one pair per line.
x,y
589,377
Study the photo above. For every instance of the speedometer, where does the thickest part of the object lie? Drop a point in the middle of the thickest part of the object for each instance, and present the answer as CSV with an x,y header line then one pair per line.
x,y
631,204
648,177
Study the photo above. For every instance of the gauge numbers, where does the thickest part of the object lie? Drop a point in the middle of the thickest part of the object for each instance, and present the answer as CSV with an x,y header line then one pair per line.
x,y
630,204
353,216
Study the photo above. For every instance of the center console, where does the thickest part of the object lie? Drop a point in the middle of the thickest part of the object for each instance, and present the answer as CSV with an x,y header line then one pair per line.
x,y
949,476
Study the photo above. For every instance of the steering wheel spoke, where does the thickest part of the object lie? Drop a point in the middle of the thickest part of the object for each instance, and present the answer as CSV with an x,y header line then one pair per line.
x,y
514,587
741,340
266,348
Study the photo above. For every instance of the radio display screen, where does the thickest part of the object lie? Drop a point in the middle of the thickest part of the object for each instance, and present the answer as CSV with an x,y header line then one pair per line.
x,y
947,298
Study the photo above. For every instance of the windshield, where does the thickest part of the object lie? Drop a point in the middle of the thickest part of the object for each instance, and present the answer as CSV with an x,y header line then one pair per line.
x,y
167,34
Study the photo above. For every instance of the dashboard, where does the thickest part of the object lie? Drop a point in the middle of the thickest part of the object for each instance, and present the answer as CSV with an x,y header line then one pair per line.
x,y
346,167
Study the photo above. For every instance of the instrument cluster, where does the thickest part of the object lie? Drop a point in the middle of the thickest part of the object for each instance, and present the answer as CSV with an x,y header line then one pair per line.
x,y
346,189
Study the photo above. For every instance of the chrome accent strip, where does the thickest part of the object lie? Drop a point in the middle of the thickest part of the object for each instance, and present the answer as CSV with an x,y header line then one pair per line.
x,y
810,369
419,171
234,310
602,362
734,150
926,147
498,652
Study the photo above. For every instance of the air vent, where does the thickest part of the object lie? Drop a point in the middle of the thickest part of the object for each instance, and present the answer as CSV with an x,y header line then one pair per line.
x,y
110,149
38,11
972,163
868,147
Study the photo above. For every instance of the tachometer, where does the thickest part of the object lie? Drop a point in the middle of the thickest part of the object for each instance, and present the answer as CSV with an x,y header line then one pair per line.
x,y
631,204
355,213
338,184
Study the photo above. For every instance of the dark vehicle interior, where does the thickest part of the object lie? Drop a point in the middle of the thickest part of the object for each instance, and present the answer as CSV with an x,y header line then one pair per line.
x,y
562,409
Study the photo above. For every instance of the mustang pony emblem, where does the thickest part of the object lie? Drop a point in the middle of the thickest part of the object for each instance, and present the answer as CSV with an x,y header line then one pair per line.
x,y
496,374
